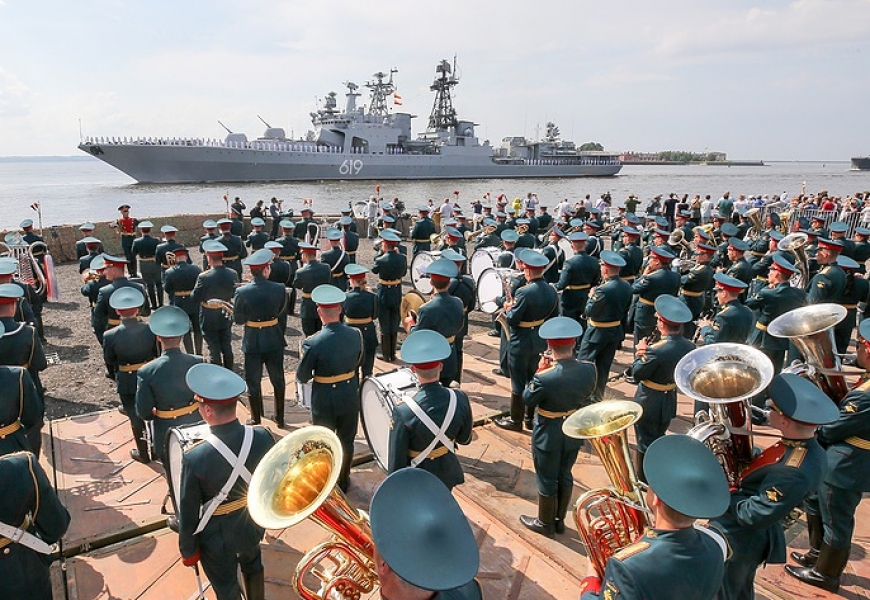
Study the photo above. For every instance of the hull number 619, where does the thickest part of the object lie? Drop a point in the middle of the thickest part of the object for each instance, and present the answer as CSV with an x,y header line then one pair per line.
x,y
350,167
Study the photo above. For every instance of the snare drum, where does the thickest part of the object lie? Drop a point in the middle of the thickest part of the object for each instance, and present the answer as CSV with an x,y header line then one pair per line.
x,y
178,439
490,287
419,264
381,394
483,259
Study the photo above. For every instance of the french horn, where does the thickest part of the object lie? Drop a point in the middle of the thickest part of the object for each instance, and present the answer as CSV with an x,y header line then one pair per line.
x,y
609,519
297,479
725,376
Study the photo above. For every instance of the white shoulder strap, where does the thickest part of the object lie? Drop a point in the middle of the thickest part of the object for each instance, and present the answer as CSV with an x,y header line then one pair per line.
x,y
439,433
239,470
716,537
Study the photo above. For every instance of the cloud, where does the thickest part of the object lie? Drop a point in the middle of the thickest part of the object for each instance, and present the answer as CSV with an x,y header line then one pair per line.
x,y
800,26
16,98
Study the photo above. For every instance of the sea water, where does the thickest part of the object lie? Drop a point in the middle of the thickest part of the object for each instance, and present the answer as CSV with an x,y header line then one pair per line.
x,y
79,189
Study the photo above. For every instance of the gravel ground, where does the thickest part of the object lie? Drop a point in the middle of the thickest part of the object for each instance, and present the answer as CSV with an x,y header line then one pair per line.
x,y
78,384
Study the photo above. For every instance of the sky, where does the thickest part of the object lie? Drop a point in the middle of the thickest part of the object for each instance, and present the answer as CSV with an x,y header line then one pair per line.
x,y
770,80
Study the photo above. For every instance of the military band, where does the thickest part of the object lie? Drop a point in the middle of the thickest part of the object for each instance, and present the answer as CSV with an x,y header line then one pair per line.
x,y
731,282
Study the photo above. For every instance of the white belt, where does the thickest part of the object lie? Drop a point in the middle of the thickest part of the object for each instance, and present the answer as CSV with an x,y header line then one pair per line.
x,y
18,535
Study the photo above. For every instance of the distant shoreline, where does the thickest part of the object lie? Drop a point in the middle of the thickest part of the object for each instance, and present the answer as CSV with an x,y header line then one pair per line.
x,y
76,158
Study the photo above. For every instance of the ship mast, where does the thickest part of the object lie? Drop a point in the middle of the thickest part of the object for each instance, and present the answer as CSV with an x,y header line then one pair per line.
x,y
381,90
443,115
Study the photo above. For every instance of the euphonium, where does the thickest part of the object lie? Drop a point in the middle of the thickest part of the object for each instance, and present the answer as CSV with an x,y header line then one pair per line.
x,y
811,328
725,376
609,519
297,479
796,244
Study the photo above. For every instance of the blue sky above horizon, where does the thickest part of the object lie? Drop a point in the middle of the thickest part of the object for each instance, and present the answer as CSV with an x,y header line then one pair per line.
x,y
771,80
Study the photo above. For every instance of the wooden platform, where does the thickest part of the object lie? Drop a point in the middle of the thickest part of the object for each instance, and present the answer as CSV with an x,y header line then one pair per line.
x,y
118,546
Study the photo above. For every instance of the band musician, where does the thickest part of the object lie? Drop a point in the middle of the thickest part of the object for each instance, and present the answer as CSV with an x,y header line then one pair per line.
x,y
677,558
426,428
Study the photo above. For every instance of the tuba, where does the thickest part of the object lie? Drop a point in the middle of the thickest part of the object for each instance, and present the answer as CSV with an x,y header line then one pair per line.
x,y
796,244
609,519
725,376
811,328
757,228
27,268
297,479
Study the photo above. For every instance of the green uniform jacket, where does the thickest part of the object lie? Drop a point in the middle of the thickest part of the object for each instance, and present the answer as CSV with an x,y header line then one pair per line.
x,y
220,283
161,386
257,302
733,323
564,387
681,563
27,492
409,434
334,350
203,473
769,303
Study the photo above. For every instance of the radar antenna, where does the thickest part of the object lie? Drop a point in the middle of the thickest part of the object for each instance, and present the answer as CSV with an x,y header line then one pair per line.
x,y
381,90
443,115
351,95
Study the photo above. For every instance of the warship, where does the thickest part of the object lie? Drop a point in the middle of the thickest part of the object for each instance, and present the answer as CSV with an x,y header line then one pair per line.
x,y
861,163
359,143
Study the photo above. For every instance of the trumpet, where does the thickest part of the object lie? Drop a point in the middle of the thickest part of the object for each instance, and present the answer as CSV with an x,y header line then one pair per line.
x,y
297,479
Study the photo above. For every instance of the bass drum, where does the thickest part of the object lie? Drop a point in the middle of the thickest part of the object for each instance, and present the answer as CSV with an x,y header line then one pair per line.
x,y
490,287
379,396
361,209
178,439
566,247
483,259
419,278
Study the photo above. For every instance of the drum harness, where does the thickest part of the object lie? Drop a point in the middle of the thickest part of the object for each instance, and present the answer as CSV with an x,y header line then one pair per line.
x,y
239,470
440,433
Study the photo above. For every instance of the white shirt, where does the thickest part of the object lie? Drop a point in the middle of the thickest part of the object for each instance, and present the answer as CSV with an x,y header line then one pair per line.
x,y
446,210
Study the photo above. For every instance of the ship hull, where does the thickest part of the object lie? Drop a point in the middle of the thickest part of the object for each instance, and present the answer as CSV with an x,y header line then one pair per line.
x,y
861,163
198,164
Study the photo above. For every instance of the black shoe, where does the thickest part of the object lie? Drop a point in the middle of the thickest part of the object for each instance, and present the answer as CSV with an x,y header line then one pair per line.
x,y
559,526
508,423
529,424
499,372
172,523
806,559
493,333
537,525
140,457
